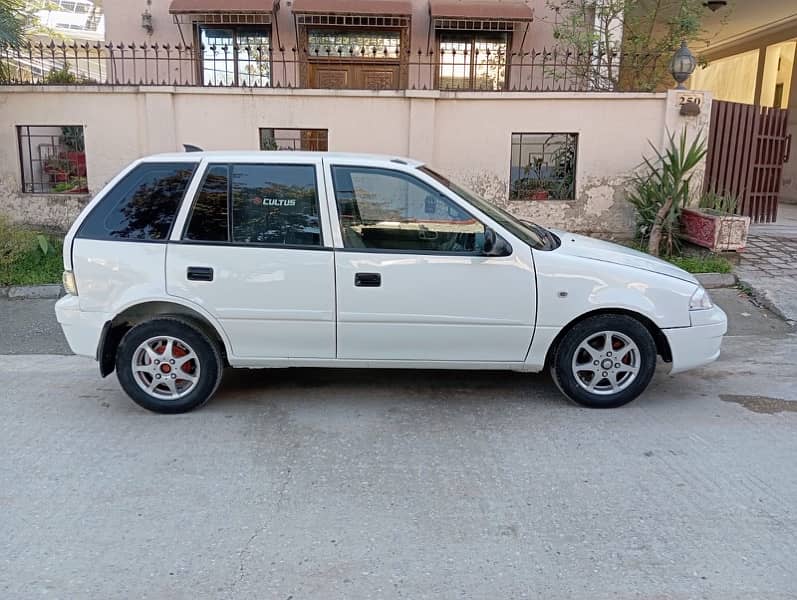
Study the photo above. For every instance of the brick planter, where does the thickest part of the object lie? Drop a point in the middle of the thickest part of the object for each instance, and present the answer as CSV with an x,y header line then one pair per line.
x,y
719,232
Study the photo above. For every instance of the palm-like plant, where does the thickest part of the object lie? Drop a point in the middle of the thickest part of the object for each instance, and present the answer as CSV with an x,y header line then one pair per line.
x,y
12,22
662,189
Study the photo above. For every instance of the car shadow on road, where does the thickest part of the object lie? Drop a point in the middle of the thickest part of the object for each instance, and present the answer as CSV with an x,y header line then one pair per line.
x,y
406,385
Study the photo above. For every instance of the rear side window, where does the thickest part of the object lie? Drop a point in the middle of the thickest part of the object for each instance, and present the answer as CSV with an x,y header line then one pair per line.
x,y
209,218
275,205
142,206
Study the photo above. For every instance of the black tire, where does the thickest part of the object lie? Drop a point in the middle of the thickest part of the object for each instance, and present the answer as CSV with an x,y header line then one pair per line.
x,y
208,364
592,328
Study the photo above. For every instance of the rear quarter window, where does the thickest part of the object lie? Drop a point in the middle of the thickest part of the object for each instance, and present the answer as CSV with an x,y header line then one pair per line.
x,y
142,206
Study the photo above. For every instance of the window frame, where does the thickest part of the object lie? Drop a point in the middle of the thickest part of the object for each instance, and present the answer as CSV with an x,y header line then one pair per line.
x,y
235,29
195,191
301,130
28,162
409,174
117,181
440,34
576,135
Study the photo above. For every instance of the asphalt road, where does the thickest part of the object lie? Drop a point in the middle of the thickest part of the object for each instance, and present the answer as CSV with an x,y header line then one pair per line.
x,y
378,484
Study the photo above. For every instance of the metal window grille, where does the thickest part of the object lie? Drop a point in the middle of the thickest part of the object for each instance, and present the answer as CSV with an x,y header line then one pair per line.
x,y
294,139
52,159
355,44
251,61
543,166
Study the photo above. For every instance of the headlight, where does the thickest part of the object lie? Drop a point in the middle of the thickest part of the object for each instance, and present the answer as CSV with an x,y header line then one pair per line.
x,y
700,300
69,283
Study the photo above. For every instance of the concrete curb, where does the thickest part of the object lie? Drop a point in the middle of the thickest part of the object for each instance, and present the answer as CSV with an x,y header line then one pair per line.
x,y
31,292
764,297
712,281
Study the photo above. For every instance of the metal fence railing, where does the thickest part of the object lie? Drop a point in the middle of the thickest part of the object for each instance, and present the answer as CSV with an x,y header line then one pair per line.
x,y
547,69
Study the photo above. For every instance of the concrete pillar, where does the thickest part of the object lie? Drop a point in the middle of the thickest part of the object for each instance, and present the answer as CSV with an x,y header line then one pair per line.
x,y
160,121
675,122
421,134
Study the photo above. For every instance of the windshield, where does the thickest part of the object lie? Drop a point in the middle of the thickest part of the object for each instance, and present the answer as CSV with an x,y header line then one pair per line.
x,y
534,235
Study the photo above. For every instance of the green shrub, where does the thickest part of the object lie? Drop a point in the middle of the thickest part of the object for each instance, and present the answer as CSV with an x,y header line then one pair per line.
x,y
661,190
61,76
28,257
14,244
718,204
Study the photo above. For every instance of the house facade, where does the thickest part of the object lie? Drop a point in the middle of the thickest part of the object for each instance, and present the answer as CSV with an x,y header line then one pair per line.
x,y
476,88
347,44
750,58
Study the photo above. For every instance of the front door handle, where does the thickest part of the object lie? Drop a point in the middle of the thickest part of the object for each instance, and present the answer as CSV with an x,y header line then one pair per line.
x,y
367,279
199,274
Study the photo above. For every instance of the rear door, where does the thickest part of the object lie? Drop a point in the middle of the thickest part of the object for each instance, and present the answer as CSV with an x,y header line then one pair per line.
x,y
413,283
256,253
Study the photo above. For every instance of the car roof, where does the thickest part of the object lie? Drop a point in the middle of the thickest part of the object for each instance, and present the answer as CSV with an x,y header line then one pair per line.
x,y
229,155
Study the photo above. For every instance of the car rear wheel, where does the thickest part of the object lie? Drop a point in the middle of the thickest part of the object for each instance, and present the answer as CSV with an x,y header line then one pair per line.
x,y
605,361
168,366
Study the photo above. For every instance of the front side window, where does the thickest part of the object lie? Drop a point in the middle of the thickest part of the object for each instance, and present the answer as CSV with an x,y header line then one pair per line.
x,y
392,211
142,206
257,204
472,61
235,56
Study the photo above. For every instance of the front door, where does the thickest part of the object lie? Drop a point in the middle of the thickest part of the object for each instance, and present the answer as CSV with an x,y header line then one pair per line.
x,y
253,254
412,281
364,75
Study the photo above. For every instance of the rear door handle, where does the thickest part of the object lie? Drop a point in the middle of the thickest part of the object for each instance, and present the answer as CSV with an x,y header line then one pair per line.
x,y
199,274
367,279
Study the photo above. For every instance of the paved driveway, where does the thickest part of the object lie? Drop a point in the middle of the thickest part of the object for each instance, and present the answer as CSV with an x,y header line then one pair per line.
x,y
341,484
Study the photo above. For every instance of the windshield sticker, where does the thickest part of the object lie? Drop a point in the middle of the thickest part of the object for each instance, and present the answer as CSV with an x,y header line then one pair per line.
x,y
273,201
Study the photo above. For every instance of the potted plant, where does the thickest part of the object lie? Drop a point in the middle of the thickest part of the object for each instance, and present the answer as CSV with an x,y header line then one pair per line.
x,y
532,186
714,224
57,168
75,153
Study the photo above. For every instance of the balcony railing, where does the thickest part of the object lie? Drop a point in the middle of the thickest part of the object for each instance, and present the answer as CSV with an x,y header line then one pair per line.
x,y
547,69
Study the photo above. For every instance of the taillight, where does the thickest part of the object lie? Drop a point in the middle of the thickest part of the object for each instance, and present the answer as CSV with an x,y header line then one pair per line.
x,y
69,283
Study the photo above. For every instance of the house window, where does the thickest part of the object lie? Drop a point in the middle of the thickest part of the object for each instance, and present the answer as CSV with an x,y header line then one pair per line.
x,y
294,139
354,44
472,61
235,56
543,166
52,159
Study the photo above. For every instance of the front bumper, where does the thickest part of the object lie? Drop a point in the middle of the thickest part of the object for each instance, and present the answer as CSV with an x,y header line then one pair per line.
x,y
82,329
699,344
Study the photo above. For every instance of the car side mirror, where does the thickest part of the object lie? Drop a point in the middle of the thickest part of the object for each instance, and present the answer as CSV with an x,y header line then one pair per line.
x,y
494,244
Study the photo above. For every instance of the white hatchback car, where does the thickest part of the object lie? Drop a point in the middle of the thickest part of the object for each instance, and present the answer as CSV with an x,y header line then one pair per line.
x,y
187,263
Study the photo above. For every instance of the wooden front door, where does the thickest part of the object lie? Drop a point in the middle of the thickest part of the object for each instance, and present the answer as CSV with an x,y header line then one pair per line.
x,y
364,75
747,147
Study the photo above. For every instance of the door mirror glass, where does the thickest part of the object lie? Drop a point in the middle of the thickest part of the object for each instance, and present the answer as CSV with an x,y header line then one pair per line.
x,y
494,244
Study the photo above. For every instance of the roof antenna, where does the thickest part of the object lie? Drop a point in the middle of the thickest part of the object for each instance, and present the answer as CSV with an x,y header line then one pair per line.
x,y
192,148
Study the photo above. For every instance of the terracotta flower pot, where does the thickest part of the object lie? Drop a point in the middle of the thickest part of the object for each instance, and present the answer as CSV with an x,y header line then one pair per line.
x,y
719,232
539,195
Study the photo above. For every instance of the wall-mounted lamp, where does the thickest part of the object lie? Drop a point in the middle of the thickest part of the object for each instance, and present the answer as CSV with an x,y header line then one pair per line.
x,y
146,19
715,5
682,65
146,22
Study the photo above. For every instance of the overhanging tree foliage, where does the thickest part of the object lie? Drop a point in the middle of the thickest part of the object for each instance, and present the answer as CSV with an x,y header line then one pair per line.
x,y
631,41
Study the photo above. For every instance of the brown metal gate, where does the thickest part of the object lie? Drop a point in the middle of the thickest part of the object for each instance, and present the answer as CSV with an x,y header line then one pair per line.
x,y
747,147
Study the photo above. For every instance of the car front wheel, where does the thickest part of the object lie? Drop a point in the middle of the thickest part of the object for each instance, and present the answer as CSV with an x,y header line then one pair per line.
x,y
168,366
605,361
